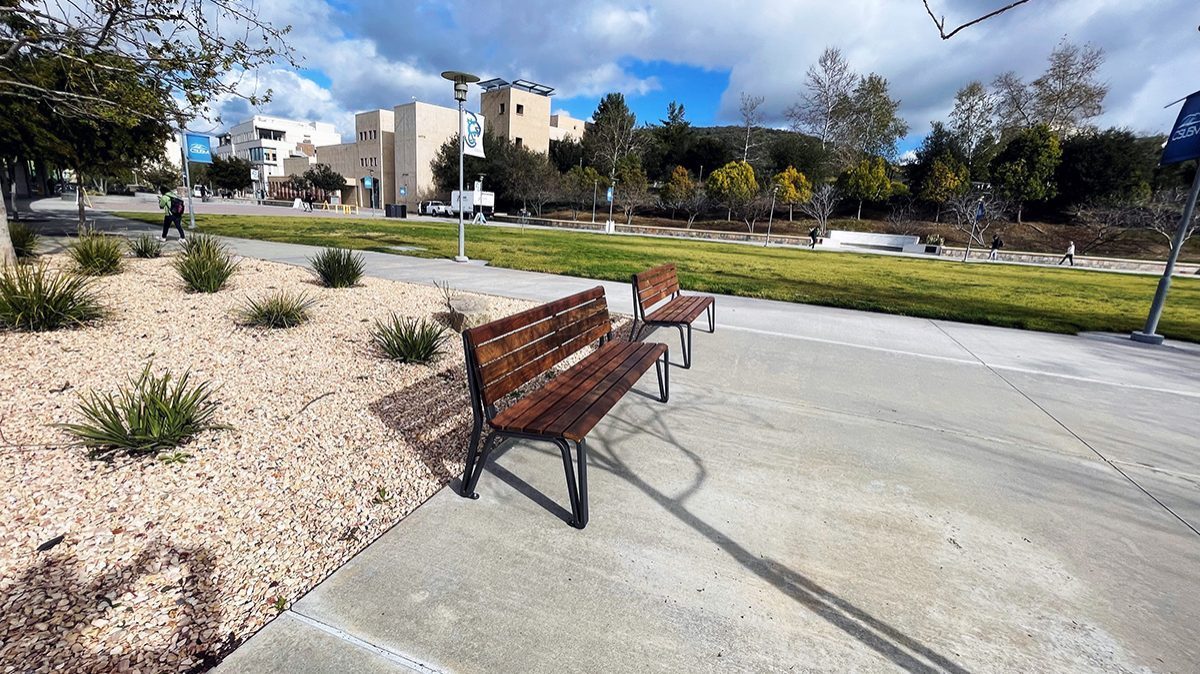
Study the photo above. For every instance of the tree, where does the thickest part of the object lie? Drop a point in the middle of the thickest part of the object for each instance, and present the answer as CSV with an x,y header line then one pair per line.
x,y
799,151
828,85
234,173
1103,223
1064,98
187,48
866,181
946,179
695,204
667,145
161,174
871,125
792,187
580,186
751,119
535,180
1024,169
733,186
967,215
973,124
940,22
678,189
612,135
940,143
706,153
1105,167
824,200
634,191
319,176
1162,213
566,153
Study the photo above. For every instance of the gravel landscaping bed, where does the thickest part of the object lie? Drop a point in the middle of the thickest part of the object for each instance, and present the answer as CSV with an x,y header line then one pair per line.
x,y
166,565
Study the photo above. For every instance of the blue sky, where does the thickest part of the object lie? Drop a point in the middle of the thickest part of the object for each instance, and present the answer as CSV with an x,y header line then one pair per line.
x,y
363,54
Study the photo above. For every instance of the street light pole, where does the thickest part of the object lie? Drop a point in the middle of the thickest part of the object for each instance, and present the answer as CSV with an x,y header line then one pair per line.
x,y
770,216
612,198
595,186
460,80
1149,335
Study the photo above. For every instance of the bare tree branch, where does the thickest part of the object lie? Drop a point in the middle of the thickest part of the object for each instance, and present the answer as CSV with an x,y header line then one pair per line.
x,y
941,23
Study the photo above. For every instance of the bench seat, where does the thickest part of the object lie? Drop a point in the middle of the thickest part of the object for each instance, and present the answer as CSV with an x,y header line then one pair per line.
x,y
572,403
682,309
657,300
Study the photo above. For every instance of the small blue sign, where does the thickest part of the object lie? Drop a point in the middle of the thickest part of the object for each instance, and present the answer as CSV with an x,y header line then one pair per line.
x,y
368,182
404,190
1184,142
198,148
979,212
610,194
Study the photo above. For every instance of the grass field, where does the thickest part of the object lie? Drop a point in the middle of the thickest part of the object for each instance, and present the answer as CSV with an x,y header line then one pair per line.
x,y
1034,298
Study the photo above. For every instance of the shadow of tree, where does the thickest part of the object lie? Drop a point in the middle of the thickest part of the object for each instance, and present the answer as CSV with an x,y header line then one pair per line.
x,y
60,614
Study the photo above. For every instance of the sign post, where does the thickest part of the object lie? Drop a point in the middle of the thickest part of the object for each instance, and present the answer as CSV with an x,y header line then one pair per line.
x,y
1183,144
196,148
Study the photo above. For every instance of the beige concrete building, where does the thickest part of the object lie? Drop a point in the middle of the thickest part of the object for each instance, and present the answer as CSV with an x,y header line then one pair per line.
x,y
420,131
563,127
370,154
518,111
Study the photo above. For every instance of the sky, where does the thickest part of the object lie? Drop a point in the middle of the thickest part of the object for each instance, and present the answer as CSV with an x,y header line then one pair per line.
x,y
356,55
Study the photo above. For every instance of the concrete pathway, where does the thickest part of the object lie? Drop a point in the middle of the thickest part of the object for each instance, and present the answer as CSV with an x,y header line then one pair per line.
x,y
827,490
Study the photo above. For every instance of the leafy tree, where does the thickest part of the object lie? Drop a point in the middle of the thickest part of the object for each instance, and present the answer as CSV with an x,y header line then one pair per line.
x,y
161,174
1105,167
871,124
634,191
581,185
866,181
612,135
947,177
733,186
675,135
1063,99
535,180
941,143
792,187
752,117
973,125
1024,169
705,155
828,85
324,178
678,189
566,154
799,151
233,173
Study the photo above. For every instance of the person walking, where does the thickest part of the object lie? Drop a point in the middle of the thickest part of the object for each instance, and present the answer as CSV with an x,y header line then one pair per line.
x,y
308,202
1070,256
997,244
812,238
172,212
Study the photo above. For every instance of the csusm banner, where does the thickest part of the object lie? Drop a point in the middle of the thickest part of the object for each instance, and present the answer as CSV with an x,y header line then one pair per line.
x,y
197,148
1184,142
473,142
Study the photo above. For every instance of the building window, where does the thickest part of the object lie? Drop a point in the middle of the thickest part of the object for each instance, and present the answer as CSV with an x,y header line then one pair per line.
x,y
518,141
520,109
502,108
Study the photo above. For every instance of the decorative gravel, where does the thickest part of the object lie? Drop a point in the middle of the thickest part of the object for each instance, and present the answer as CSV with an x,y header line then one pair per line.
x,y
165,566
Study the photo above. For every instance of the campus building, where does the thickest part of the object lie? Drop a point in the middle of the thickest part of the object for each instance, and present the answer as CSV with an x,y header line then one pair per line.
x,y
370,155
266,142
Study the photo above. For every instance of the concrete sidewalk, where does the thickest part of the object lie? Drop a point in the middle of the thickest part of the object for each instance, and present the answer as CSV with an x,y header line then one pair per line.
x,y
827,490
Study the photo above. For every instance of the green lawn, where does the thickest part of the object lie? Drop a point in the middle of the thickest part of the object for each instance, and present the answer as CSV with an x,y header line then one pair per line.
x,y
1051,299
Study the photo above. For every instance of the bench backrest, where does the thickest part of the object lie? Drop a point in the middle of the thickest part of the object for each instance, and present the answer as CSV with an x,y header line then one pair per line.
x,y
506,353
655,285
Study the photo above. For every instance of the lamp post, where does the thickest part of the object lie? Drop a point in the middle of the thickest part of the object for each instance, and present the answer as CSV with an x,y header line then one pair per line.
x,y
595,186
460,80
1149,334
372,197
611,200
771,216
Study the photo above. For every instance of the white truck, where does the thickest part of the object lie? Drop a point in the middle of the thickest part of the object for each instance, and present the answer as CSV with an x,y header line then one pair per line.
x,y
487,200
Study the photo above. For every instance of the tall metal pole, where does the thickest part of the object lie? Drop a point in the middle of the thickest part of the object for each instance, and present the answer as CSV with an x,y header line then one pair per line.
x,y
770,217
1148,334
611,200
462,137
187,178
595,186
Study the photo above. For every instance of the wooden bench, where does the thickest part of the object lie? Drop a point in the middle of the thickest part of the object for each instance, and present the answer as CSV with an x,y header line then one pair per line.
x,y
657,301
506,354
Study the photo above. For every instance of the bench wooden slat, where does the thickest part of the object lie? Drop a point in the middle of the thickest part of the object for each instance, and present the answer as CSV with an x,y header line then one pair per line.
x,y
554,340
683,309
634,366
489,331
610,359
527,334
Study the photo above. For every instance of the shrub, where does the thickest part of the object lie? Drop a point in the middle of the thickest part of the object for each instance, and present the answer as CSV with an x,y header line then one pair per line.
x,y
205,264
146,246
409,340
24,239
337,267
154,413
35,299
279,310
97,254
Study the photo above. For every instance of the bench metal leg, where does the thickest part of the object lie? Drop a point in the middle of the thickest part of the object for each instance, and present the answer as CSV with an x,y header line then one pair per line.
x,y
712,317
663,367
686,343
576,489
472,457
472,472
635,331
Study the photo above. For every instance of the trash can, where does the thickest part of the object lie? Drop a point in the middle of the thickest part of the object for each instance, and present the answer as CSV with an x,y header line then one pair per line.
x,y
404,210
389,210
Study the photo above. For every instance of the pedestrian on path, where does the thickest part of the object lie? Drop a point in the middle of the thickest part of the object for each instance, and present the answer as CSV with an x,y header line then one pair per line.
x,y
997,244
308,202
1070,256
172,212
812,238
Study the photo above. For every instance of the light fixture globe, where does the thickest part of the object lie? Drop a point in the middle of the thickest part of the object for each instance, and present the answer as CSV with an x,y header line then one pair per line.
x,y
460,80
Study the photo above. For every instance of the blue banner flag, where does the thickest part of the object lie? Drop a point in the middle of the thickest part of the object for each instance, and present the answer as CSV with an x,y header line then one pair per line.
x,y
610,194
368,182
1184,142
197,148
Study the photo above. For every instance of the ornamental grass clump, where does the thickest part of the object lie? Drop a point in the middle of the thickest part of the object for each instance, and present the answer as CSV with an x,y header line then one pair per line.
x,y
204,264
24,240
146,246
154,413
96,253
337,267
35,299
277,310
409,340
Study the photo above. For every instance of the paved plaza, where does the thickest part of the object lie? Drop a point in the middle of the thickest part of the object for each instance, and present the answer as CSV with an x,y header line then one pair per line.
x,y
827,490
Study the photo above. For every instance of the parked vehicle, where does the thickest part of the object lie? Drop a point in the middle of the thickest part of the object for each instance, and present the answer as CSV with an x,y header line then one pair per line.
x,y
487,201
434,208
